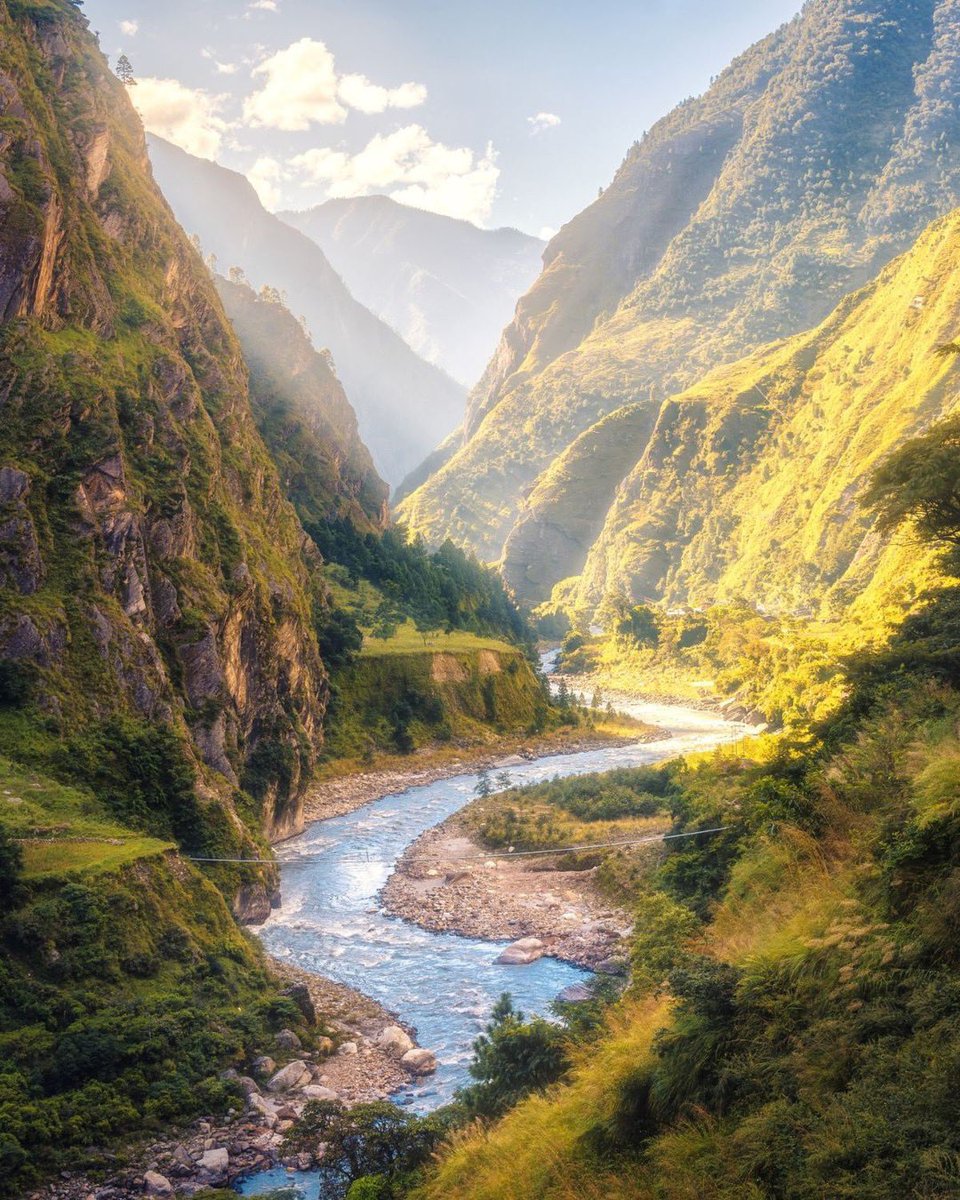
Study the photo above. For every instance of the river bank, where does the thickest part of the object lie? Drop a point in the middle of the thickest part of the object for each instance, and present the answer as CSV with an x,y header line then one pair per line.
x,y
342,794
446,882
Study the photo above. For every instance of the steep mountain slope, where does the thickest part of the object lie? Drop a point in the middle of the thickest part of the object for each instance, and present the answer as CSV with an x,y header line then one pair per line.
x,y
303,414
744,216
405,406
447,287
748,485
153,573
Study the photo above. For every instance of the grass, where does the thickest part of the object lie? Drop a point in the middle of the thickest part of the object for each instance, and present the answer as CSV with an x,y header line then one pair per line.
x,y
407,640
62,830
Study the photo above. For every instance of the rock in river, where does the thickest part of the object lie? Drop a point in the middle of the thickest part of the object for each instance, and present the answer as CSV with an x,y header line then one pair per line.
x,y
419,1062
395,1041
523,952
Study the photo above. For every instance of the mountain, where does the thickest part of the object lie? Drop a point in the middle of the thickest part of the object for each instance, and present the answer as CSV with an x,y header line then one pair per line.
x,y
303,414
405,405
747,487
743,217
153,570
447,287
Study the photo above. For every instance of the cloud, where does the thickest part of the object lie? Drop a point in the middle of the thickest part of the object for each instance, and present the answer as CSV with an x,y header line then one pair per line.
x,y
411,168
266,175
548,233
129,28
356,91
188,117
542,121
300,87
263,6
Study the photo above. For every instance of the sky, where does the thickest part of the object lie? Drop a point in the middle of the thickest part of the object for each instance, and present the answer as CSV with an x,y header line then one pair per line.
x,y
502,112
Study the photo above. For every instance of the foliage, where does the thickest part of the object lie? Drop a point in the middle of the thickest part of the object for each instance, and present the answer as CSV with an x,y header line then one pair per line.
x,y
512,1058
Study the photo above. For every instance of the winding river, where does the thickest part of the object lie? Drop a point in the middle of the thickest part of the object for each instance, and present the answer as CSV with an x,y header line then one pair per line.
x,y
442,984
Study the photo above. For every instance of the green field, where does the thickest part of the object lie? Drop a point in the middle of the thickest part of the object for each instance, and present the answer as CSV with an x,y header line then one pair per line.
x,y
407,640
61,829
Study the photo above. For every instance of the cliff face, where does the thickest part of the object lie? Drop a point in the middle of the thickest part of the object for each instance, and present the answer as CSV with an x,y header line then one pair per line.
x,y
151,564
743,217
303,414
405,406
446,286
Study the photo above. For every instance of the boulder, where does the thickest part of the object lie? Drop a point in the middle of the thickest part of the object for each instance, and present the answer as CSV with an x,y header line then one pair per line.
x,y
299,993
291,1076
395,1041
155,1184
215,1164
575,993
419,1062
286,1039
313,1091
264,1065
248,1086
348,1048
522,952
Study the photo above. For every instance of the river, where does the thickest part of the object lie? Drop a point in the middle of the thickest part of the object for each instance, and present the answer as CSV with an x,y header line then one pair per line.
x,y
442,984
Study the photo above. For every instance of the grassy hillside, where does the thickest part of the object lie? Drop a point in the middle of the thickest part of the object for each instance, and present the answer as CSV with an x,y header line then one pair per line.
x,y
791,1025
748,487
743,217
125,985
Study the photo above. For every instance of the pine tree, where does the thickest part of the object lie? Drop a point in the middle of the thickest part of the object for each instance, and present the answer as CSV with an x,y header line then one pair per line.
x,y
484,787
125,71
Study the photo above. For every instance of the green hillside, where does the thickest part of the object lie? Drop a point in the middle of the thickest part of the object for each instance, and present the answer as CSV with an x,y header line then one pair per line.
x,y
743,217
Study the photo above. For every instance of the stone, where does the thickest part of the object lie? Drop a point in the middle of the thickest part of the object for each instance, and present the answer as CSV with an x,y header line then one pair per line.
x,y
248,1086
523,952
313,1091
395,1041
14,484
264,1065
286,1039
419,1062
348,1048
215,1163
575,994
299,993
291,1076
155,1184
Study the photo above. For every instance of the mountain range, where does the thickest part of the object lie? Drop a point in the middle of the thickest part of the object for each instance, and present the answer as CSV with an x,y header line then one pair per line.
x,y
446,286
743,218
405,405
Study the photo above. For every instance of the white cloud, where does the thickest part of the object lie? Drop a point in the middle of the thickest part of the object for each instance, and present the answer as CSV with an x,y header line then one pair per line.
x,y
356,91
300,87
129,28
266,175
412,168
188,117
542,121
548,233
222,68
263,6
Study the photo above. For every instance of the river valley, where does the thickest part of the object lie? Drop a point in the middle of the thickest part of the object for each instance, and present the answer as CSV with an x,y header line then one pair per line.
x,y
332,922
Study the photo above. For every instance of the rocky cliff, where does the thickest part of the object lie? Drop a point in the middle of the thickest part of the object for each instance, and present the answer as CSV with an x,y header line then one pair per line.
x,y
743,217
152,568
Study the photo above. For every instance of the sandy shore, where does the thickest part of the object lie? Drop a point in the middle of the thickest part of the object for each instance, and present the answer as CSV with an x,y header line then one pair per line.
x,y
447,882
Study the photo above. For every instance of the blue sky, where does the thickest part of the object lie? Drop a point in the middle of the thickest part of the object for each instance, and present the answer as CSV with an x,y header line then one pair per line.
x,y
506,112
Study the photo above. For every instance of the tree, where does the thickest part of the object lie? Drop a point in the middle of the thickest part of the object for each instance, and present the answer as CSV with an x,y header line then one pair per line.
x,y
484,787
11,863
125,71
504,781
563,694
370,1140
920,482
512,1057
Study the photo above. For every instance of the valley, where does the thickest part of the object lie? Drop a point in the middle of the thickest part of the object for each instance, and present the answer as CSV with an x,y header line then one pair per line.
x,y
478,711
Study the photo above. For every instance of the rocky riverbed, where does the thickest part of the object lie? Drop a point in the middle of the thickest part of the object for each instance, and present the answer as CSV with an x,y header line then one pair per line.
x,y
370,1055
346,793
446,882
